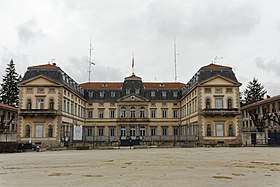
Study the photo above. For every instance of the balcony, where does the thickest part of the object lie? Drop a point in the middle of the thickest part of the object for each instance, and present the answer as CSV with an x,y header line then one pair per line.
x,y
132,119
220,112
38,112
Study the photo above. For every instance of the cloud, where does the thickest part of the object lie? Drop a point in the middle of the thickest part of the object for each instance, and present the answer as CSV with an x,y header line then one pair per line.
x,y
77,68
269,66
211,20
30,31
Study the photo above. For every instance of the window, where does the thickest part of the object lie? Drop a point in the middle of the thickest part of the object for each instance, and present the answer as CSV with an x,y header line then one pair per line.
x,y
208,130
142,112
51,90
137,90
218,90
163,93
153,94
123,132
208,103
175,131
64,105
89,132
230,130
123,110
51,104
50,131
101,94
40,90
229,102
132,112
27,131
40,103
100,131
132,131
175,94
164,131
175,113
127,91
39,131
101,114
112,131
229,90
207,90
29,90
90,114
90,94
153,113
113,94
164,113
219,103
219,129
142,131
112,113
29,104
153,131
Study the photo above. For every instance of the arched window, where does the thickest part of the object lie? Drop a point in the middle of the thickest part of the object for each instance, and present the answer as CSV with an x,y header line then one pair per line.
x,y
123,109
229,102
50,131
123,131
51,104
27,131
132,112
142,131
132,131
208,133
208,103
230,130
142,112
29,104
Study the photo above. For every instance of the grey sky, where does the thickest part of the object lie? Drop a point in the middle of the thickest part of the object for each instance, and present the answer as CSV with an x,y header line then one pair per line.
x,y
245,33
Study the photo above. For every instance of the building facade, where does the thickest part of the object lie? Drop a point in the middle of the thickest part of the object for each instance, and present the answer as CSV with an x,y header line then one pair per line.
x,y
267,112
8,123
54,110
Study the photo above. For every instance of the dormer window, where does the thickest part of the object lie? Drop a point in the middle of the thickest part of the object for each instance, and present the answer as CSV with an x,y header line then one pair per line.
x,y
175,94
153,94
101,94
113,94
90,94
137,91
164,94
127,91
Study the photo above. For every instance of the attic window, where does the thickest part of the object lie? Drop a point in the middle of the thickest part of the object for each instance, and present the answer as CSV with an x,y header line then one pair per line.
x,y
40,90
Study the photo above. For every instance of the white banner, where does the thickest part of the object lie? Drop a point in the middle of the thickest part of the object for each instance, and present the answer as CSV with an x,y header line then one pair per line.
x,y
78,132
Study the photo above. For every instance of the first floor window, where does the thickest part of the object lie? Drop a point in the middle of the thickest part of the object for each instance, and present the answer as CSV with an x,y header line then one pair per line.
x,y
153,113
112,113
219,129
164,113
39,131
101,113
175,113
218,103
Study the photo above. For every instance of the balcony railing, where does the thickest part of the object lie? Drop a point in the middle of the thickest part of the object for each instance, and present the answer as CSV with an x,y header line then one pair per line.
x,y
38,112
220,112
128,119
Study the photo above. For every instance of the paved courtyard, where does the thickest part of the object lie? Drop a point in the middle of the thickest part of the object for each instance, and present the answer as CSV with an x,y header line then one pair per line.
x,y
143,167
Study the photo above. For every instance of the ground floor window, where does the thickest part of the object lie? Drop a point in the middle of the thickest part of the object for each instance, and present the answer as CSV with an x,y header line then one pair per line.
x,y
175,131
112,131
230,130
208,130
164,131
219,129
142,131
153,131
50,131
27,131
89,132
123,132
101,131
132,131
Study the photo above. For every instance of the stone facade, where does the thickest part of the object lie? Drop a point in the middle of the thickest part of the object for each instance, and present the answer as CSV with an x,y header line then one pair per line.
x,y
54,110
8,123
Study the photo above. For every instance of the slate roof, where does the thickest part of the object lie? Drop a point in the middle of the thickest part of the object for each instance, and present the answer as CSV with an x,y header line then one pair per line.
x,y
8,107
262,102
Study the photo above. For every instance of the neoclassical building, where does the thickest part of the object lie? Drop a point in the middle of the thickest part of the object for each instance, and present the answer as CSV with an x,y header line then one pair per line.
x,y
54,110
8,123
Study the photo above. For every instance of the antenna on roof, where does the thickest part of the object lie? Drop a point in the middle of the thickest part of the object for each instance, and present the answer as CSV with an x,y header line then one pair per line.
x,y
90,62
216,59
175,59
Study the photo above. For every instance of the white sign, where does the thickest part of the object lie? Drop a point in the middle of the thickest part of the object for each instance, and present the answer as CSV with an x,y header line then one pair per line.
x,y
78,132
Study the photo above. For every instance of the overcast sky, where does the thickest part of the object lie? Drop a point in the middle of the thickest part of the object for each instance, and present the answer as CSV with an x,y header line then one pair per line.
x,y
245,33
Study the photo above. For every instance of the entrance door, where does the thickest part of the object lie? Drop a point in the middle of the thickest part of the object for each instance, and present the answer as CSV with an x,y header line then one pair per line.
x,y
253,138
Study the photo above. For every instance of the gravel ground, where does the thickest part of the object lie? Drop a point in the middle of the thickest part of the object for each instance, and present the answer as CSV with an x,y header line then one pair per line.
x,y
259,166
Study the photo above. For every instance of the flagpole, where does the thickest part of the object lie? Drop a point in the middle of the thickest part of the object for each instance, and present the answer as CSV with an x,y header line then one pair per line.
x,y
133,64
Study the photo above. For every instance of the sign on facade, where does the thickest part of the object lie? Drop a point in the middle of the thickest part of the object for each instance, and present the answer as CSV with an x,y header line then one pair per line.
x,y
78,132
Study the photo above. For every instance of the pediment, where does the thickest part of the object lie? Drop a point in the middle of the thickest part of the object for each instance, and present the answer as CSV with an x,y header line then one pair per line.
x,y
132,98
219,80
40,81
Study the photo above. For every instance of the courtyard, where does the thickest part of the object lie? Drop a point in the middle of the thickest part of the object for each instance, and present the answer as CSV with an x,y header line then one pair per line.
x,y
259,166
